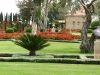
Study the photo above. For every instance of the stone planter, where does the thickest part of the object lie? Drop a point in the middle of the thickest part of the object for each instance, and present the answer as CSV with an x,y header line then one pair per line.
x,y
97,49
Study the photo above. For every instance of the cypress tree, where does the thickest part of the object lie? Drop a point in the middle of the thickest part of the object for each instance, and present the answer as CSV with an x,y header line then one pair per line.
x,y
11,19
5,20
1,17
14,17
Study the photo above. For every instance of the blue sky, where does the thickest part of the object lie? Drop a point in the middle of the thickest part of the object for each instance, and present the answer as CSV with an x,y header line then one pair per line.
x,y
8,6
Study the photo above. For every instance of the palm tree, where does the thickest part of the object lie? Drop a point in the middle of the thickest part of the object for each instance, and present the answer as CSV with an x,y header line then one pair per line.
x,y
32,42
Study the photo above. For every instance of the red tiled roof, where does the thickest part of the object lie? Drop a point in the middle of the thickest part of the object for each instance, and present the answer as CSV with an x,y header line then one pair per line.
x,y
78,12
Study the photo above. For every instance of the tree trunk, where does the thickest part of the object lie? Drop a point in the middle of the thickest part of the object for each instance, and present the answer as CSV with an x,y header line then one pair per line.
x,y
32,53
85,46
46,15
89,9
91,41
40,24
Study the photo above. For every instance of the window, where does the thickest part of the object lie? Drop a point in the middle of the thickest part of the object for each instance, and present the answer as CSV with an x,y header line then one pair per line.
x,y
73,23
78,23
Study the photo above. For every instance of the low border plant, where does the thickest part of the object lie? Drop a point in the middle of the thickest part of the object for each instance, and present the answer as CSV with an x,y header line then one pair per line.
x,y
60,59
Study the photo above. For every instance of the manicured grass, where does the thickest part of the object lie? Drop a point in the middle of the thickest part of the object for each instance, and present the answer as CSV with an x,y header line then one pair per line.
x,y
9,46
78,33
25,68
28,68
55,47
62,48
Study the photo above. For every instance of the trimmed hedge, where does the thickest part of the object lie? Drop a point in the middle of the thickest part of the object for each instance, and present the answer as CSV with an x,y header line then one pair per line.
x,y
28,30
90,31
15,29
72,59
51,60
69,41
9,30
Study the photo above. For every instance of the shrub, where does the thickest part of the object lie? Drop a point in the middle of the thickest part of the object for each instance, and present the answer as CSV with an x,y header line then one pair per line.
x,y
51,60
89,30
56,30
9,30
15,29
57,24
41,30
94,24
28,30
32,42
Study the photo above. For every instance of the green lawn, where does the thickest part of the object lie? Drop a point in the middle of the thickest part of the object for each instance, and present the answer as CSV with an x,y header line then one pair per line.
x,y
9,46
55,47
25,68
62,48
77,33
28,68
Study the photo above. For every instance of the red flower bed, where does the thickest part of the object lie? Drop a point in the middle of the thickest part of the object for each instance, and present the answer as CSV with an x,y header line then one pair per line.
x,y
68,30
58,36
5,35
47,35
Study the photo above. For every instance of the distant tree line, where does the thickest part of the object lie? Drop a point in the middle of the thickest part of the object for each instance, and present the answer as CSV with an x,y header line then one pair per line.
x,y
8,17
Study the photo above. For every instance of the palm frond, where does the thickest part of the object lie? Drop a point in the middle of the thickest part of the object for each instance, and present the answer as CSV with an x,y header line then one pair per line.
x,y
32,42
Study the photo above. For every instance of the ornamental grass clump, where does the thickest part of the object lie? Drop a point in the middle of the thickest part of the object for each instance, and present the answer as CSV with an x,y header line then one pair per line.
x,y
32,42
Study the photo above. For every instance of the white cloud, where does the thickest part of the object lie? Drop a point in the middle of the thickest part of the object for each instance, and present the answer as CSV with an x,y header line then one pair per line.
x,y
8,6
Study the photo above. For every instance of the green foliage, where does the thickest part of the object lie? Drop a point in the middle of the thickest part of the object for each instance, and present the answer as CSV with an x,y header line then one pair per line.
x,y
38,2
89,30
10,19
6,17
95,23
15,17
53,12
25,14
28,30
29,5
41,30
57,24
18,25
62,3
32,42
37,12
71,59
15,29
56,30
9,30
0,25
1,17
97,8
